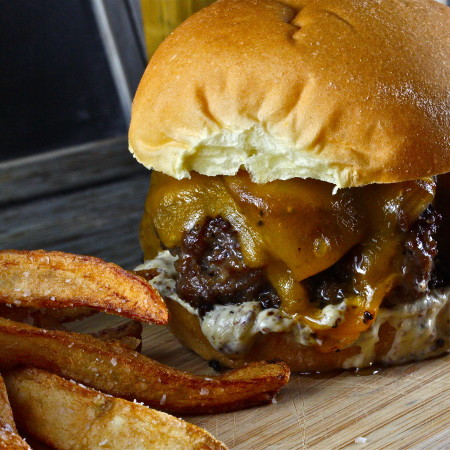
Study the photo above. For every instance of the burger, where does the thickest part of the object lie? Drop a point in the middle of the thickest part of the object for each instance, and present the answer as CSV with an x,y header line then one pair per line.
x,y
300,194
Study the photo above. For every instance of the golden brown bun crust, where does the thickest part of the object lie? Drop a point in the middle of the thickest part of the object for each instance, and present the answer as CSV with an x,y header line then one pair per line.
x,y
346,91
186,328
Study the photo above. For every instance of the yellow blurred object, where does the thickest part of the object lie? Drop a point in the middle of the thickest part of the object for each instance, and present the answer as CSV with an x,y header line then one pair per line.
x,y
160,17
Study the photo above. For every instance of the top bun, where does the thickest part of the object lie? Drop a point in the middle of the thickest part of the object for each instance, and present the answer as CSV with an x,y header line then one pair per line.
x,y
346,91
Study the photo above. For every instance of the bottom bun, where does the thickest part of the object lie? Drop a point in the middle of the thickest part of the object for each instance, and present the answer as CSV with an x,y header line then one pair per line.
x,y
375,346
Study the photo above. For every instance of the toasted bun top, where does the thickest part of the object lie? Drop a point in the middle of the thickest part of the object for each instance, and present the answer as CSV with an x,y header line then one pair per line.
x,y
347,91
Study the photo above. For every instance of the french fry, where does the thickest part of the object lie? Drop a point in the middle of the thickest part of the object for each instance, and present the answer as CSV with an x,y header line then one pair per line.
x,y
45,317
9,439
17,313
65,415
54,317
6,415
128,334
119,371
41,279
35,444
128,329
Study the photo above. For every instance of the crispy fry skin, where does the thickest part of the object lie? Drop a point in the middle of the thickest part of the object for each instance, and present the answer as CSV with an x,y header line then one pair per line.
x,y
50,318
66,415
128,334
6,415
116,370
57,280
9,439
129,329
54,317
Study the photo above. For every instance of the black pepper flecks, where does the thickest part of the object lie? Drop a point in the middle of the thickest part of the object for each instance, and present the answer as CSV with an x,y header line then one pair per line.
x,y
215,365
367,317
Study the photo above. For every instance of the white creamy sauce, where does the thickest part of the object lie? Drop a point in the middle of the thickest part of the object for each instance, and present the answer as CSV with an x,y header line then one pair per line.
x,y
331,315
231,329
164,282
419,326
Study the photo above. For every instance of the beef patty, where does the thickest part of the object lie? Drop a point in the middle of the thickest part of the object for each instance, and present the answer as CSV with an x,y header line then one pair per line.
x,y
211,269
415,263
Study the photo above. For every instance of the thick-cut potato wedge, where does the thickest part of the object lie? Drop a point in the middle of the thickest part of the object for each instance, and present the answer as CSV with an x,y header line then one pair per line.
x,y
54,317
12,441
41,279
9,439
6,415
45,317
117,333
65,415
128,334
119,371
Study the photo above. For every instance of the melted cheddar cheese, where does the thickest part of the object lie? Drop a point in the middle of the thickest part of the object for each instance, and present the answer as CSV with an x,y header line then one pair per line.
x,y
295,229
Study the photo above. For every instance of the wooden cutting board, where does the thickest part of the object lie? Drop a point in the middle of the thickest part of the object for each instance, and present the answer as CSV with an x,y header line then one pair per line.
x,y
89,200
400,407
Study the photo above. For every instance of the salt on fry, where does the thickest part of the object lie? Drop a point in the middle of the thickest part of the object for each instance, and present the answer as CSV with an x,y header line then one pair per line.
x,y
41,279
9,439
114,369
65,415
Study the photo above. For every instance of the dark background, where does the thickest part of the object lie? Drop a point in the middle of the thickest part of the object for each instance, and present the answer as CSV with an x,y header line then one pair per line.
x,y
55,84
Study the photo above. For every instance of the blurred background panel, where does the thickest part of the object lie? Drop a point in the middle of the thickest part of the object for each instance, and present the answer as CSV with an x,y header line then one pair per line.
x,y
70,68
56,84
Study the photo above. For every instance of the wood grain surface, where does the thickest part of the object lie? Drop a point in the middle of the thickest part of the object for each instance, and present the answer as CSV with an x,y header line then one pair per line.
x,y
65,169
404,407
78,211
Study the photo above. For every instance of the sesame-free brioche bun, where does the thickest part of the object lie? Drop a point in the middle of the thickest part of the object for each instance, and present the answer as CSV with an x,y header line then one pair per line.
x,y
346,91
